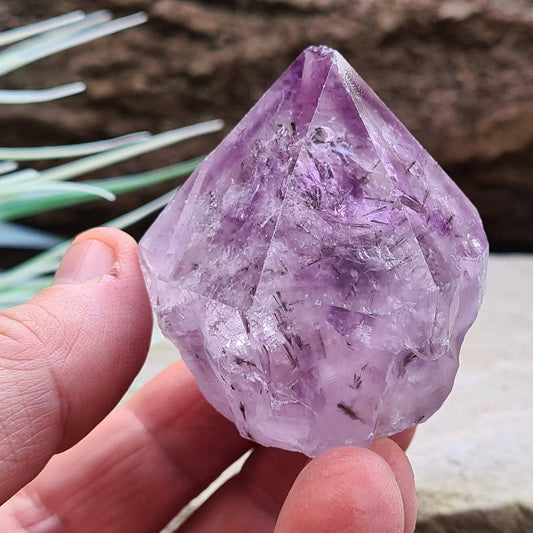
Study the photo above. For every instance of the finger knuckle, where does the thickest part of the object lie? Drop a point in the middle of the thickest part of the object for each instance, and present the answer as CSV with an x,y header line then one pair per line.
x,y
26,330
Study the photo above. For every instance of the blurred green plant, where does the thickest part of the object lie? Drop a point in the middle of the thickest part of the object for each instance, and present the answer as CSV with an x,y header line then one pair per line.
x,y
27,191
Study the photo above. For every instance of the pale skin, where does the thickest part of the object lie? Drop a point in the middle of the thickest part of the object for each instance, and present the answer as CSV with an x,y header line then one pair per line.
x,y
67,465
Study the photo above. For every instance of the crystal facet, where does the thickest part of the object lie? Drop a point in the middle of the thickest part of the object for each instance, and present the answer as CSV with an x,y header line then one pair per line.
x,y
319,271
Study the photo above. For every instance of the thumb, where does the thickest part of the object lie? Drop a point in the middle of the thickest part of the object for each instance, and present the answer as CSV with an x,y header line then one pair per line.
x,y
69,354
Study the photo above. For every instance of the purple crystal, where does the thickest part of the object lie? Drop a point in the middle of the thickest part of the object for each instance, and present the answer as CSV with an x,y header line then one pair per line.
x,y
319,271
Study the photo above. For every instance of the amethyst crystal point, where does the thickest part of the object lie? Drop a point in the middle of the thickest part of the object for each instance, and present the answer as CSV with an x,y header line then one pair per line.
x,y
319,271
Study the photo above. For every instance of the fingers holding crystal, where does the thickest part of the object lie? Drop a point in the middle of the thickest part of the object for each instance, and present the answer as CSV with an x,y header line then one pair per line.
x,y
137,469
346,489
404,438
258,491
145,461
397,460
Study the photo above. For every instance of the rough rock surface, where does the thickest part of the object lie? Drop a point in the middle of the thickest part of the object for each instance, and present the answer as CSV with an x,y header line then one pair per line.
x,y
457,73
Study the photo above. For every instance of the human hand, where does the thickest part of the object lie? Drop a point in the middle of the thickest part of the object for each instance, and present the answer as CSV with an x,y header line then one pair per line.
x,y
68,356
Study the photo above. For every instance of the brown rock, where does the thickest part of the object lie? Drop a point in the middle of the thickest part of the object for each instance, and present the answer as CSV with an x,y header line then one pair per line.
x,y
458,73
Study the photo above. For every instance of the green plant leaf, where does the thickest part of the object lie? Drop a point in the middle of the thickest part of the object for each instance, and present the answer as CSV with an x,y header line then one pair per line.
x,y
28,191
22,181
62,31
17,236
110,157
25,32
68,151
14,58
47,262
145,210
32,203
45,187
18,177
42,95
8,166
17,295
31,269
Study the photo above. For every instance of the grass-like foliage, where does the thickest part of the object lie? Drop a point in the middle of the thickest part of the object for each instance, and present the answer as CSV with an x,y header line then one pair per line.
x,y
25,191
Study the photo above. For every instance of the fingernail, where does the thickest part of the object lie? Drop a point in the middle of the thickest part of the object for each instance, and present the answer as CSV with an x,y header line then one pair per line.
x,y
84,261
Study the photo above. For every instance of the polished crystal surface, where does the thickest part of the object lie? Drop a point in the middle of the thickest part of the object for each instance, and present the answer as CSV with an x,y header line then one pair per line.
x,y
319,271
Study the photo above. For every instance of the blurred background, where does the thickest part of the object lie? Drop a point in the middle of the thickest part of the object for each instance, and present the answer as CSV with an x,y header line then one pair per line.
x,y
459,74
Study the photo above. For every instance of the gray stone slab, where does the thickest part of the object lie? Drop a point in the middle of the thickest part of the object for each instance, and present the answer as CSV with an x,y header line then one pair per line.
x,y
473,460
